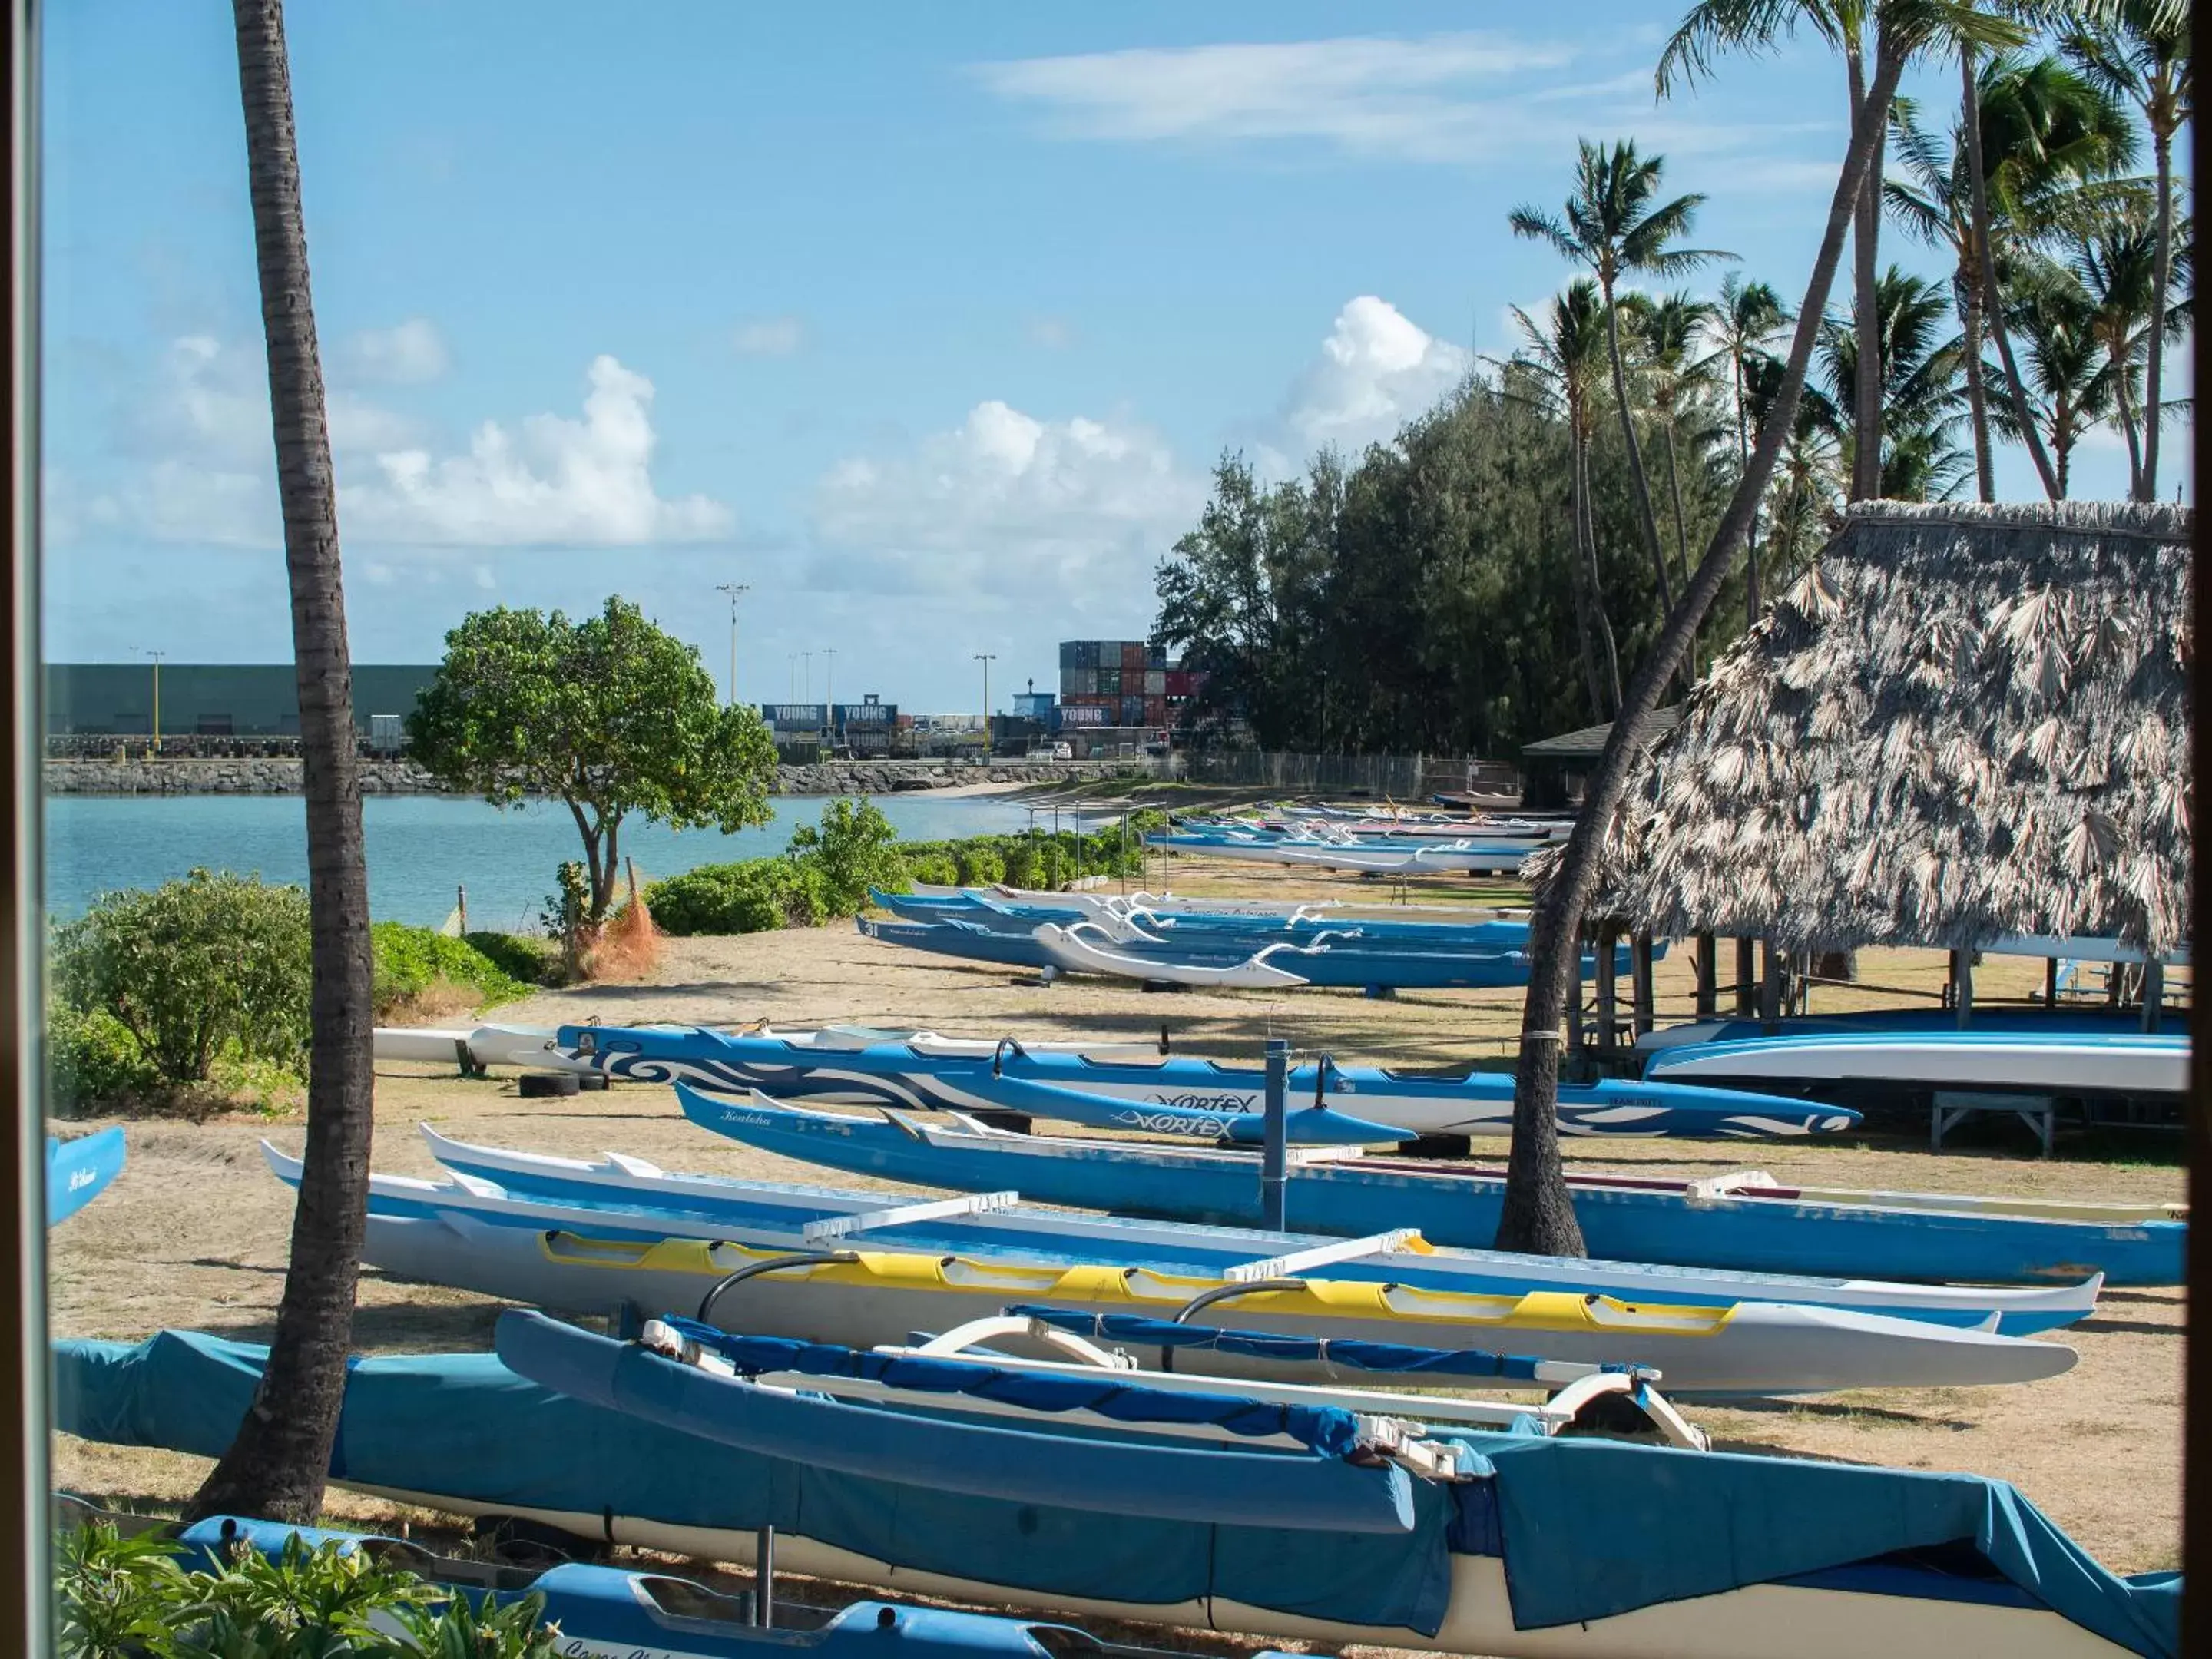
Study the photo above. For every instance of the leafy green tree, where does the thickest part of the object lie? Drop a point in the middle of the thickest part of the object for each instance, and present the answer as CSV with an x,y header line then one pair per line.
x,y
116,1597
1614,223
608,714
194,967
856,848
2142,51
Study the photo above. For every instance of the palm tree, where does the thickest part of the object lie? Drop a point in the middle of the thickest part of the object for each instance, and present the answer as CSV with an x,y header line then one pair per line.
x,y
1673,328
2140,50
1537,1213
2115,261
1614,224
1750,315
2072,385
277,1464
1903,29
2046,131
1566,354
1919,376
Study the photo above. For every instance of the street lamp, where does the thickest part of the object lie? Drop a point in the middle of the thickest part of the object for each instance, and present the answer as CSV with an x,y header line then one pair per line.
x,y
732,589
157,656
987,657
829,693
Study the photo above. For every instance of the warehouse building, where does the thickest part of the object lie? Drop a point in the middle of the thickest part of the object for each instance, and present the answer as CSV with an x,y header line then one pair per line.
x,y
221,699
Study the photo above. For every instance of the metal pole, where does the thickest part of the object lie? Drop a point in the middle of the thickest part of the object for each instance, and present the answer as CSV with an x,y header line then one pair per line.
x,y
157,656
1275,1162
987,657
829,691
732,589
764,1577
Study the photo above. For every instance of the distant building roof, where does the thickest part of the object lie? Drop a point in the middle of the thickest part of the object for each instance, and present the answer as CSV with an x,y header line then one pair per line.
x,y
1589,742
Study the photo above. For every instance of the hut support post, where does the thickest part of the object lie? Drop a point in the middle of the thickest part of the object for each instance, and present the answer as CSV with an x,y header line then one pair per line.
x,y
2050,981
1607,992
1708,966
2154,993
1770,984
1747,977
1639,969
1962,977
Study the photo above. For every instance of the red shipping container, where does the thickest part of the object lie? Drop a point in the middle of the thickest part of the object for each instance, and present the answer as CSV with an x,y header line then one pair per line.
x,y
1132,656
1155,711
1177,683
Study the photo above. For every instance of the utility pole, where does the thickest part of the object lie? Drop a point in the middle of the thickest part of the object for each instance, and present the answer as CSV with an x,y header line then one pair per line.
x,y
732,589
987,657
157,656
829,692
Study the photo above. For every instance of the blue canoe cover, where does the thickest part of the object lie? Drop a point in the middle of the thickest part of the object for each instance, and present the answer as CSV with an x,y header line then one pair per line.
x,y
1395,1358
1652,1524
1327,1430
464,1427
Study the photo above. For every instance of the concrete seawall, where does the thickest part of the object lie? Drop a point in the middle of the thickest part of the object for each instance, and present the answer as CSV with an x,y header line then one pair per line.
x,y
398,777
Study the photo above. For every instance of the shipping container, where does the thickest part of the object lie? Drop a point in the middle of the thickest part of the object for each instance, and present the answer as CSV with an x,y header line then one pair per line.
x,y
1033,705
1109,683
1081,715
1132,656
1177,683
1155,711
1156,656
1156,682
1078,681
1070,655
1133,711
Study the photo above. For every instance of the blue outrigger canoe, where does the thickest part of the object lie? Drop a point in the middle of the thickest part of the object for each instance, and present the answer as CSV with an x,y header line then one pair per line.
x,y
900,1074
1612,1547
1723,1223
78,1171
1332,962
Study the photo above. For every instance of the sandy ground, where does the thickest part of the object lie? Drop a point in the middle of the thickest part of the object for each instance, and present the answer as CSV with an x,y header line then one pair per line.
x,y
194,1232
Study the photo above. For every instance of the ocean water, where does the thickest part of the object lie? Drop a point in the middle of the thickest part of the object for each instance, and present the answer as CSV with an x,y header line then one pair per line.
x,y
422,848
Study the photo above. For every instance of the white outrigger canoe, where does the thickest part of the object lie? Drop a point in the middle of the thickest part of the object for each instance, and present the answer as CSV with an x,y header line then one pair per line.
x,y
2015,1061
539,1046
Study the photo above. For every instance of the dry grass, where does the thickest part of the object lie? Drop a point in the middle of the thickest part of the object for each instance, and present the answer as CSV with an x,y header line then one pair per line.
x,y
193,1234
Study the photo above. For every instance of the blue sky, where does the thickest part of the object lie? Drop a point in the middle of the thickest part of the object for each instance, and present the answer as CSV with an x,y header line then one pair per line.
x,y
926,323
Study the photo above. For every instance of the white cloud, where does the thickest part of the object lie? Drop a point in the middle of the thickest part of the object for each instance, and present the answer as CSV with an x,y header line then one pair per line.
x,y
408,354
554,480
1006,501
770,337
1376,370
1453,98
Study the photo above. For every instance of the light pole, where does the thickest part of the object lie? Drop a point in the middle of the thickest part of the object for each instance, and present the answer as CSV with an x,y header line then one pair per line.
x,y
156,656
732,589
829,693
987,657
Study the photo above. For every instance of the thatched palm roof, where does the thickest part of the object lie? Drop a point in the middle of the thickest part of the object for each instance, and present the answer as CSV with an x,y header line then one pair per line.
x,y
1964,723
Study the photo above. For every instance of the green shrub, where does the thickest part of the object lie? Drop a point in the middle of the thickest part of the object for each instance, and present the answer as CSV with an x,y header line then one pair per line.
x,y
192,968
754,896
853,848
128,1598
936,868
977,864
93,1058
410,960
527,957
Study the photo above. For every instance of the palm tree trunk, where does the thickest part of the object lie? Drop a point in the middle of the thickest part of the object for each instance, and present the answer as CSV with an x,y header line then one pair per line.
x,y
1645,522
1866,382
277,1464
2127,426
1597,580
1751,535
1579,576
2161,276
1538,1214
1970,127
1970,292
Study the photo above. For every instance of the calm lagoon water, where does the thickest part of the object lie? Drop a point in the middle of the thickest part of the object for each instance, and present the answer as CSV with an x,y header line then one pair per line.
x,y
420,847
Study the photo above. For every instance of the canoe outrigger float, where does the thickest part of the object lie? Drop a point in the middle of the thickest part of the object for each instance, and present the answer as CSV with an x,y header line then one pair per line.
x,y
1614,1550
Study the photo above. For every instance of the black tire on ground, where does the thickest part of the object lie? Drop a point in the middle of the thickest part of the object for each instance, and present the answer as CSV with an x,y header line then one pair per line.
x,y
1436,1147
545,1085
588,1081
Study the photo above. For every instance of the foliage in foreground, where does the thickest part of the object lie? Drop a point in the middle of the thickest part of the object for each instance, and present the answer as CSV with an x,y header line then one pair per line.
x,y
411,960
828,869
129,1598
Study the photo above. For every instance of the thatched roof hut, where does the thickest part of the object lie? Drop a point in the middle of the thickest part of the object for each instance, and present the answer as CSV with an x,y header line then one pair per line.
x,y
1965,723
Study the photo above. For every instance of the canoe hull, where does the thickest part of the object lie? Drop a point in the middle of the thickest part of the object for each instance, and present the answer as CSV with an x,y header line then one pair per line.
x,y
1630,1222
2012,1062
